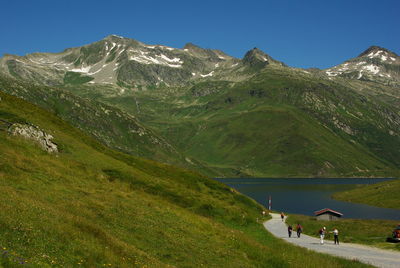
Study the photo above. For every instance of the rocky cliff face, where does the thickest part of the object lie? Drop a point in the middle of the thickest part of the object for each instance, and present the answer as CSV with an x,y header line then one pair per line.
x,y
35,134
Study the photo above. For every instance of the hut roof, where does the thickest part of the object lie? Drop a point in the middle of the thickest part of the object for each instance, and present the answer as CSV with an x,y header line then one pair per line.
x,y
327,210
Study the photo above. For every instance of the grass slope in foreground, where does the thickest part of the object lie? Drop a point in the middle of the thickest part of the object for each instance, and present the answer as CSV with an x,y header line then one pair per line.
x,y
90,206
368,232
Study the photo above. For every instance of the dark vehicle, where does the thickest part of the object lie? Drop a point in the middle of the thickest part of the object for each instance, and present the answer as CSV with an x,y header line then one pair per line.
x,y
395,235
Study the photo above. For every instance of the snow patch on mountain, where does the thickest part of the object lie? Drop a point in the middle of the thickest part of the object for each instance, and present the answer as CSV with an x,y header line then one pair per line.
x,y
113,45
330,73
371,68
207,75
159,46
171,60
81,70
380,54
161,59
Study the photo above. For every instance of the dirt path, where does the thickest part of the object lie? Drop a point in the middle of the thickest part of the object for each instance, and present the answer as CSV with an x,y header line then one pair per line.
x,y
365,254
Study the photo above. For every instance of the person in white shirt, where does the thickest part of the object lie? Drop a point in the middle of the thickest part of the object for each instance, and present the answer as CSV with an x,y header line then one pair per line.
x,y
322,234
335,236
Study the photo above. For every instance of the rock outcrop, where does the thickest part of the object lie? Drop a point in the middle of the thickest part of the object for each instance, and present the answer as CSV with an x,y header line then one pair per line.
x,y
32,132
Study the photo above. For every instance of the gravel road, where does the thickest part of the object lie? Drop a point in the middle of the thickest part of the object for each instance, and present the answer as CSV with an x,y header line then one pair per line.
x,y
365,254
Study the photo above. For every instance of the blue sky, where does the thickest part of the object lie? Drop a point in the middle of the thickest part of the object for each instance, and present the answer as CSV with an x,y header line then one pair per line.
x,y
300,33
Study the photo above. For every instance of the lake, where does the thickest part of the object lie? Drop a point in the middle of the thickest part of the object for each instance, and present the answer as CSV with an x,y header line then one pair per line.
x,y
304,196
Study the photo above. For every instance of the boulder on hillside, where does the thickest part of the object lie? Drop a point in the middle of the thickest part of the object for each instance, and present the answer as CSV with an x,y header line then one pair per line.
x,y
32,132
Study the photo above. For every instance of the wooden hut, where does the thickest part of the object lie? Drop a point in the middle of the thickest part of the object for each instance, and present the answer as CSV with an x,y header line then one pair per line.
x,y
327,214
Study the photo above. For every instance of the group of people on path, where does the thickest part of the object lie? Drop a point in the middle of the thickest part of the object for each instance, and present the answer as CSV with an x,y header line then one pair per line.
x,y
322,231
299,230
335,232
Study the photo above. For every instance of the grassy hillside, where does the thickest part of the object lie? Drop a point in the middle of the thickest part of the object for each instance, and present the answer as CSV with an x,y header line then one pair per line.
x,y
91,206
384,194
107,124
274,141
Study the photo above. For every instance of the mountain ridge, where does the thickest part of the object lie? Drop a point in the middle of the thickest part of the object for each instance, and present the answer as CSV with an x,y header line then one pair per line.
x,y
209,108
129,63
114,59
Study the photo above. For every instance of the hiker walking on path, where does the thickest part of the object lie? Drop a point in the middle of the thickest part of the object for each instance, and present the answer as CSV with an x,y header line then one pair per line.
x,y
289,229
282,216
336,236
299,230
322,234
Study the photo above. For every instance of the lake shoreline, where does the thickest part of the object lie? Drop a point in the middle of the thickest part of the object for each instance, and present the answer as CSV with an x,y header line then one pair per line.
x,y
307,195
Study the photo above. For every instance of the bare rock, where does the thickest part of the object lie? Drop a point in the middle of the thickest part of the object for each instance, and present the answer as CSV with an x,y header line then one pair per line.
x,y
34,133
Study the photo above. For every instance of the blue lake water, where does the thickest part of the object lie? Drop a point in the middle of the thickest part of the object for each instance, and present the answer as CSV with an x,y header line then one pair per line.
x,y
304,196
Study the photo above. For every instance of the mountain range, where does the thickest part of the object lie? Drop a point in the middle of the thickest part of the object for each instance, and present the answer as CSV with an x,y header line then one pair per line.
x,y
223,116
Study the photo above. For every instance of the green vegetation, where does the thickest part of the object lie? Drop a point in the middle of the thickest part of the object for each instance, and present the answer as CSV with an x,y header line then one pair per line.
x,y
74,78
384,194
368,232
91,206
278,123
108,124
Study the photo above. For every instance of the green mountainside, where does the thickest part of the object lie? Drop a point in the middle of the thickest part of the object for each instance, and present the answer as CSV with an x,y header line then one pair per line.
x,y
108,124
204,110
87,205
280,123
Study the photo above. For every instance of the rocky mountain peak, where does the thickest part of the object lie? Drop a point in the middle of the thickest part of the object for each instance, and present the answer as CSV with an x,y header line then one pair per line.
x,y
257,58
256,52
119,40
114,37
378,52
376,64
191,46
202,52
